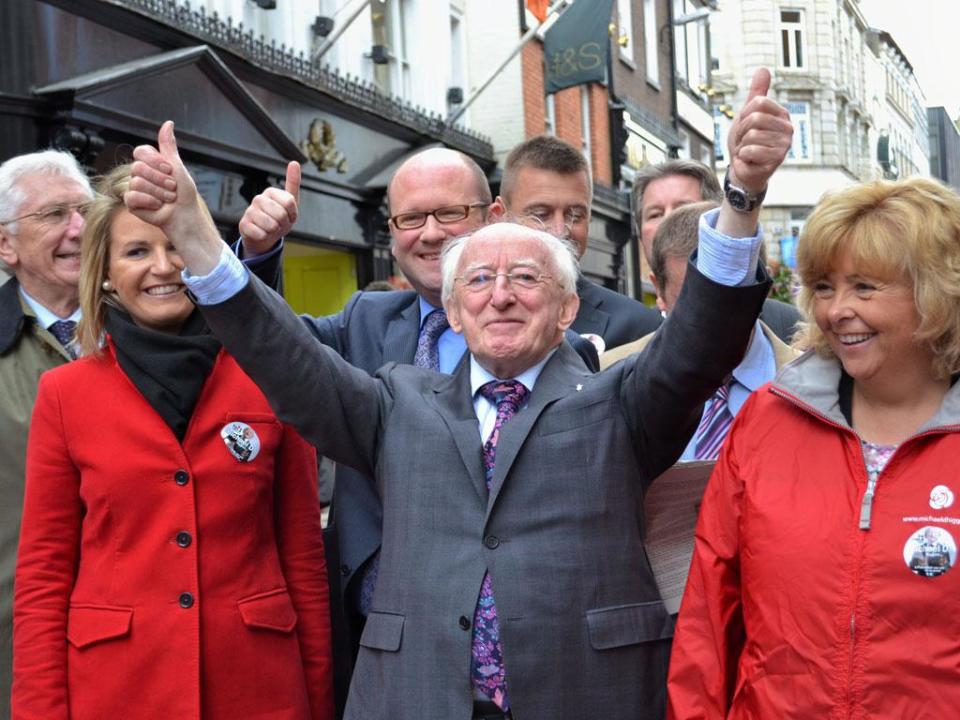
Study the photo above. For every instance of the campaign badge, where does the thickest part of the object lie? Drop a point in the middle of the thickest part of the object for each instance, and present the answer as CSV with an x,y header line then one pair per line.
x,y
241,440
941,497
930,551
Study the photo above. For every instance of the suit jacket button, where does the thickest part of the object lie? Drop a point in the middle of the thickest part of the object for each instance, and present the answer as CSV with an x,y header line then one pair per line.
x,y
181,477
186,600
344,570
492,542
464,622
184,539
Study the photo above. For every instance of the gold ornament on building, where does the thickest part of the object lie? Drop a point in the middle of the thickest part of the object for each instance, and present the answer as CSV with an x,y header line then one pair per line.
x,y
321,147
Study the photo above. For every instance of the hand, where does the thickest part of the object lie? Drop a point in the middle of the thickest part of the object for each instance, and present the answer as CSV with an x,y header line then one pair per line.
x,y
759,138
163,194
271,215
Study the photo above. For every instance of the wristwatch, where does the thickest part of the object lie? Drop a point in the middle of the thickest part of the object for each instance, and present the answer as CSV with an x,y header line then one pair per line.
x,y
741,200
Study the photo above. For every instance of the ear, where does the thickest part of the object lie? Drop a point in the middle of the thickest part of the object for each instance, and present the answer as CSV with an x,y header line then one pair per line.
x,y
8,251
569,306
452,308
661,303
498,210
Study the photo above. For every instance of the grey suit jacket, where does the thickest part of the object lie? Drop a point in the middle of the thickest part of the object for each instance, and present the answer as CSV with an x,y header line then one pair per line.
x,y
781,317
616,318
560,532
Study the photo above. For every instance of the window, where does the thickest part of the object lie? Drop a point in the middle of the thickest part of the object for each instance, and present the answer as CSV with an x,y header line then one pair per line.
x,y
585,122
458,62
625,30
800,151
389,31
550,115
650,45
791,38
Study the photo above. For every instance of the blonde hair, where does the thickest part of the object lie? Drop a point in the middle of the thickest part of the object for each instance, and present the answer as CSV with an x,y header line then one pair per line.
x,y
907,230
94,257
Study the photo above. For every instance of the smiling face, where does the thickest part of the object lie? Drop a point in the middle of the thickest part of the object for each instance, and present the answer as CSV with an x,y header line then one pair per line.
x,y
144,270
431,180
44,253
870,323
660,198
510,328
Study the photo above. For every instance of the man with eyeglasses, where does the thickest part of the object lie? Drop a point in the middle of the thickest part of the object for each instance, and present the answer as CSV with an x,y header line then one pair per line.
x,y
546,183
513,580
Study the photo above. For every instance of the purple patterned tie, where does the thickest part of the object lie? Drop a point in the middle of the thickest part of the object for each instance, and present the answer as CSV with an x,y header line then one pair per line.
x,y
714,425
427,356
63,331
486,666
428,353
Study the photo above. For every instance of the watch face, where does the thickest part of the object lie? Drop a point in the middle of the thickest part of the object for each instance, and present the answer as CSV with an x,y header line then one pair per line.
x,y
737,199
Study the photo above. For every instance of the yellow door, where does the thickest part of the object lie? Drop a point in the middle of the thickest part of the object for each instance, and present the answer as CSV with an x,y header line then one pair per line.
x,y
317,281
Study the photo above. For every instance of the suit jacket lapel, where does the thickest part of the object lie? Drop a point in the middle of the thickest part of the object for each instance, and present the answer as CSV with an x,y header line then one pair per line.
x,y
403,331
590,318
454,402
558,378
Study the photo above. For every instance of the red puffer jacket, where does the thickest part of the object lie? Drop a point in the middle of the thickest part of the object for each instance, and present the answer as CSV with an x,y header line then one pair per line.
x,y
792,609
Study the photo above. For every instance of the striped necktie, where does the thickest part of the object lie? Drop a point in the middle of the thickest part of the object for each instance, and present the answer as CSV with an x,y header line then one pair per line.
x,y
714,425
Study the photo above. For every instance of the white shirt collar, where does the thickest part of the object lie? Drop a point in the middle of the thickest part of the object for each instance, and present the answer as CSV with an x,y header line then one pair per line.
x,y
479,376
44,316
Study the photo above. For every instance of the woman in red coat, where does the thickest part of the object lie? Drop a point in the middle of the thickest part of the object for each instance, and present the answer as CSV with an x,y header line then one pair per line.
x,y
171,560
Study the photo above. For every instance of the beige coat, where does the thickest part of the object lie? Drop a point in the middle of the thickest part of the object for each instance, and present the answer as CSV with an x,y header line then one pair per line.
x,y
782,353
26,352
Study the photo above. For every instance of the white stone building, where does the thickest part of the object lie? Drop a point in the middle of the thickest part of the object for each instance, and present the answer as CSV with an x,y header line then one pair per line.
x,y
843,84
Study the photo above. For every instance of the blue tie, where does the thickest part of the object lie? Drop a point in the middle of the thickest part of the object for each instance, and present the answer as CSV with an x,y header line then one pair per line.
x,y
63,331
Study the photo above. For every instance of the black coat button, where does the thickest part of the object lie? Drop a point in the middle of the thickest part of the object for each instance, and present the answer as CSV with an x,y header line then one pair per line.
x,y
186,600
184,539
181,477
492,542
464,622
344,570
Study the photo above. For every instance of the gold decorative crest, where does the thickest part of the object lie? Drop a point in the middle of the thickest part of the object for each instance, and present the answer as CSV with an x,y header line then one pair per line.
x,y
321,147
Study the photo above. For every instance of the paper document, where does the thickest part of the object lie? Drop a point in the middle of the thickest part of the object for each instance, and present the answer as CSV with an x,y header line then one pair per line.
x,y
671,507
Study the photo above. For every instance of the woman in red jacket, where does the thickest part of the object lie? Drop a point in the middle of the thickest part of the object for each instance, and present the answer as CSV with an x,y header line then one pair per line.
x,y
824,580
171,560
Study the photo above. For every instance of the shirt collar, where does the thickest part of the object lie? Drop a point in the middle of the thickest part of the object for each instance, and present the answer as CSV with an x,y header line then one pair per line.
x,y
44,317
425,309
758,364
479,376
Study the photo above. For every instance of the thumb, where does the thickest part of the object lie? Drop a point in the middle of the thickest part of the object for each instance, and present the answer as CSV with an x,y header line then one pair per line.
x,y
759,85
167,143
292,182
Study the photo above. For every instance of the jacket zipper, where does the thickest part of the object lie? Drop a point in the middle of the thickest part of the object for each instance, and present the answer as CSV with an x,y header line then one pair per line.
x,y
866,513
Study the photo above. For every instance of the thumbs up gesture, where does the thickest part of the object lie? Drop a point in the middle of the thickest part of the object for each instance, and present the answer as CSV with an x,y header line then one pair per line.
x,y
271,215
759,138
163,193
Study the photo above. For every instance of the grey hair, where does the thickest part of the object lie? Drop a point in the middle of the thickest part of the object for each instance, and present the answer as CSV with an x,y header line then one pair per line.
x,y
562,253
709,185
45,162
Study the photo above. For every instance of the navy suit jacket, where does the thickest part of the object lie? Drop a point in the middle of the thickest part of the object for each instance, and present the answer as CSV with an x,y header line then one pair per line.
x,y
616,318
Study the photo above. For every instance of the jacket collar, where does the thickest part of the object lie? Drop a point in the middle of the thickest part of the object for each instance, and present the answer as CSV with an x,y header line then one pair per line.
x,y
12,316
815,382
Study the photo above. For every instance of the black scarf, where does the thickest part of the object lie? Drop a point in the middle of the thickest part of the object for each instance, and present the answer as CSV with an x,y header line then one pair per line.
x,y
168,370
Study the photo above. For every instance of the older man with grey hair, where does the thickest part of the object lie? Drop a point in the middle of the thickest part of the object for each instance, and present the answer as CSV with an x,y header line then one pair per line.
x,y
42,196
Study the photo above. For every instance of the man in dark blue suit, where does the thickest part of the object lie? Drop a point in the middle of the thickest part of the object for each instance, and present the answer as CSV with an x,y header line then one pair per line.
x,y
548,181
436,195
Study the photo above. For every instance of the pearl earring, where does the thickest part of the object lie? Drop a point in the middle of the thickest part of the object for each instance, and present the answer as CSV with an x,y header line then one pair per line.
x,y
107,286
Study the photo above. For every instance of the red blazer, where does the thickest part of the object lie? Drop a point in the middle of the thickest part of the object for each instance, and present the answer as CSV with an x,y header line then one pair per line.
x,y
164,580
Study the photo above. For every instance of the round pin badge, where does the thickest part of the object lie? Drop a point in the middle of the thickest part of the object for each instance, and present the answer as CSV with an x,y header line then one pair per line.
x,y
941,497
930,551
241,440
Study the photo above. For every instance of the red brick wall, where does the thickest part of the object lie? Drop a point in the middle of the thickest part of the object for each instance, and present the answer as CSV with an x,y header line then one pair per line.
x,y
569,125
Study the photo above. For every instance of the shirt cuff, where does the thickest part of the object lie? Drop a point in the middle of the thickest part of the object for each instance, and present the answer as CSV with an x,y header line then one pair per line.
x,y
255,260
726,260
223,282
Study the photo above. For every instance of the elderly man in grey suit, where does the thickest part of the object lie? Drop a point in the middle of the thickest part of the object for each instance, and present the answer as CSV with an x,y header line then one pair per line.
x,y
512,581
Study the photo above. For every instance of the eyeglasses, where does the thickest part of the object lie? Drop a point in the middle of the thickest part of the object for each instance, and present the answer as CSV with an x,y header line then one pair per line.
x,y
54,215
444,216
478,281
